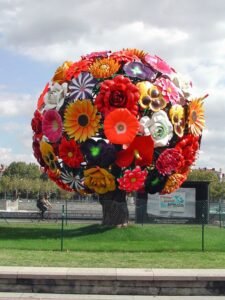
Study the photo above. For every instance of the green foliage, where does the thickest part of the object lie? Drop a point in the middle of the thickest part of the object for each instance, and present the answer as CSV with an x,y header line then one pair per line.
x,y
22,170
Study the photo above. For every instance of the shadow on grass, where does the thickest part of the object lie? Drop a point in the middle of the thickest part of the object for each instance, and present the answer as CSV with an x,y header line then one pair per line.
x,y
17,233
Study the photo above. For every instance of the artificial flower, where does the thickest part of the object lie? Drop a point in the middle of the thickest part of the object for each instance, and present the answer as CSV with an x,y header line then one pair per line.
x,y
196,120
136,53
183,83
37,152
99,180
55,177
98,152
140,151
168,90
55,96
76,68
71,178
123,56
81,120
173,183
177,118
36,122
104,68
52,125
70,153
48,156
132,180
119,92
158,64
139,70
60,73
120,126
93,55
159,127
150,96
154,182
40,102
169,161
81,86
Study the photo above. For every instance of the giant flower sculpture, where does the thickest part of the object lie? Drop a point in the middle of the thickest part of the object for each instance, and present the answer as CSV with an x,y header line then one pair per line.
x,y
120,120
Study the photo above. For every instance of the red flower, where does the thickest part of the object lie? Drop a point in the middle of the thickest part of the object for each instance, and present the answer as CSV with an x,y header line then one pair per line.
x,y
75,69
169,161
119,92
40,102
124,56
132,180
36,122
188,146
70,153
37,151
141,149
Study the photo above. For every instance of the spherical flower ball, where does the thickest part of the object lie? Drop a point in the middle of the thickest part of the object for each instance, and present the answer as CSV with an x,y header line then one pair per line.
x,y
128,111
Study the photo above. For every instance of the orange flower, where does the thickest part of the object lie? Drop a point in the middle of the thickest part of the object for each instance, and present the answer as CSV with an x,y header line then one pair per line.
x,y
81,120
196,121
60,73
135,52
103,68
173,183
121,126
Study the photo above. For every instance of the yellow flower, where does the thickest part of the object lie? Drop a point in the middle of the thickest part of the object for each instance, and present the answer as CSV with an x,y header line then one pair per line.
x,y
81,120
99,180
196,121
177,118
49,157
103,68
60,73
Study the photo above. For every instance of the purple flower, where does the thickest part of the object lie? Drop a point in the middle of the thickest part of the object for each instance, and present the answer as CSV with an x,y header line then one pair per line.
x,y
81,87
139,70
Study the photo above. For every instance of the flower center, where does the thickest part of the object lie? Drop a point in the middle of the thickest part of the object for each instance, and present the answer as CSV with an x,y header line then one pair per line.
x,y
133,179
194,116
117,99
169,90
70,154
83,120
55,125
95,151
120,128
104,67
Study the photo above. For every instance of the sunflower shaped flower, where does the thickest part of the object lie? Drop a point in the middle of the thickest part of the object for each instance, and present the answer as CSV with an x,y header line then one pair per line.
x,y
81,120
121,126
60,73
55,96
196,120
52,125
119,92
70,153
99,180
159,127
132,180
104,68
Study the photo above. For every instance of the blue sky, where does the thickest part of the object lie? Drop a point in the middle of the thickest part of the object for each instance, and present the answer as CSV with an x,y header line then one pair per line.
x,y
37,36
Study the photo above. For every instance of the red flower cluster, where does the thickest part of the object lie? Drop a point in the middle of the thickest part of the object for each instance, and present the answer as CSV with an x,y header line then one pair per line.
x,y
76,68
70,153
169,161
36,123
119,92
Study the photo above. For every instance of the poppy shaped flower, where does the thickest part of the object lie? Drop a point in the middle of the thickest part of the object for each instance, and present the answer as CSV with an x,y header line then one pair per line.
x,y
177,117
154,182
81,120
81,86
76,68
99,180
60,73
169,161
196,120
159,127
120,126
104,68
36,122
52,125
140,151
139,70
48,156
173,183
98,152
70,153
72,179
150,96
119,92
55,96
168,90
158,64
132,180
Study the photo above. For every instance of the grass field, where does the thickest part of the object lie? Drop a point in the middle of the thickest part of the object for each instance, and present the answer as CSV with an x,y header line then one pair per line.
x,y
168,246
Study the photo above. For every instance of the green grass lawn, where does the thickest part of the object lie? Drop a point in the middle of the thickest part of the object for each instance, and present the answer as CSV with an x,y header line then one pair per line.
x,y
168,246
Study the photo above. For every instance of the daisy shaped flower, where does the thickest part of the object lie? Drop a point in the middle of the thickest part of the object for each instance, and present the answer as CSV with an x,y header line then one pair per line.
x,y
55,96
168,90
132,180
81,86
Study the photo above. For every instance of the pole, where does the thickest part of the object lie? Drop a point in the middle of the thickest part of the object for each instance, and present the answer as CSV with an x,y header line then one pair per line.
x,y
62,227
66,212
220,216
203,233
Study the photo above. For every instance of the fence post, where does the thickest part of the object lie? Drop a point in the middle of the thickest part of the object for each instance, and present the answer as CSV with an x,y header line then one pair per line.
x,y
220,216
66,211
203,232
62,228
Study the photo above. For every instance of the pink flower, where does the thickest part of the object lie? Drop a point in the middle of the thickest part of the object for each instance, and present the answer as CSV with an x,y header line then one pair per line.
x,y
52,125
168,90
132,180
158,64
169,161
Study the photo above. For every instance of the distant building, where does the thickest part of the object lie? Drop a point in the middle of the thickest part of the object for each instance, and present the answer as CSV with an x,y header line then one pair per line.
x,y
219,173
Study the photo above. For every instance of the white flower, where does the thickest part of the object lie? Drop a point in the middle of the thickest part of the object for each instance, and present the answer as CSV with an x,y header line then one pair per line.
x,y
159,127
183,83
54,98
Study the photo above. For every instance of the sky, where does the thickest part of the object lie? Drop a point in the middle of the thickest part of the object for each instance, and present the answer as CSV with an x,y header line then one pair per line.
x,y
38,36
